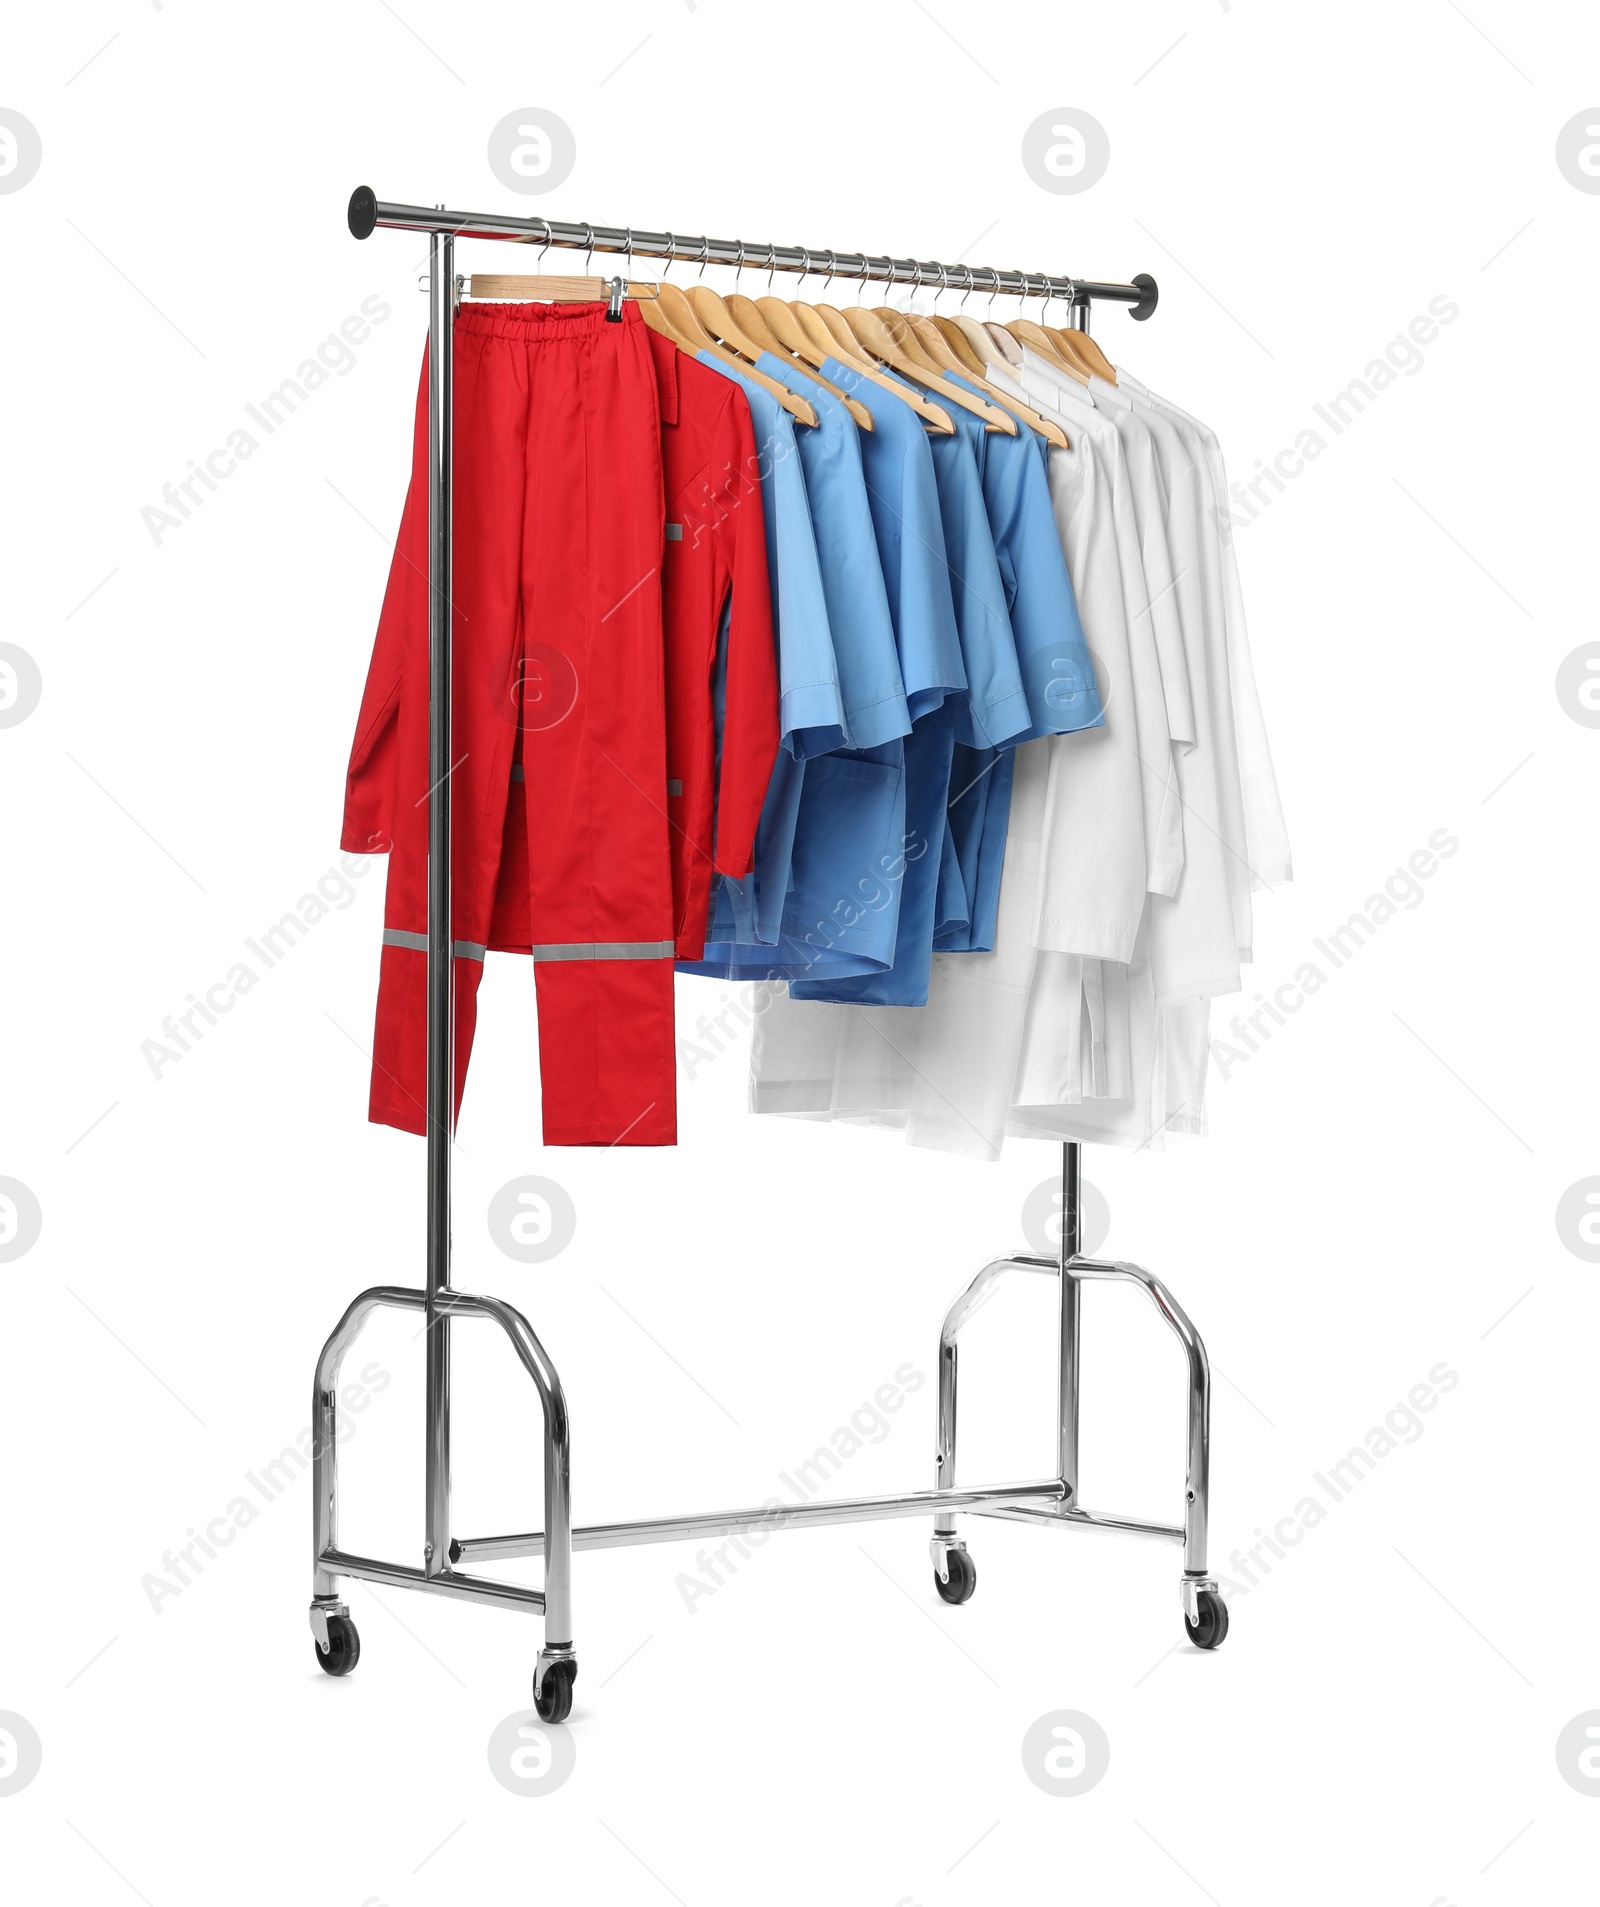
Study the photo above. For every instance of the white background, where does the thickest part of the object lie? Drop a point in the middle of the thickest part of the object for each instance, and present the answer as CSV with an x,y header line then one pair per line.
x,y
1380,1184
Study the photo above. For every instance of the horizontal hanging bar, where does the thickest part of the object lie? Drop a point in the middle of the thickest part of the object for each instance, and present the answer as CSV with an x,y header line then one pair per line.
x,y
787,1516
367,212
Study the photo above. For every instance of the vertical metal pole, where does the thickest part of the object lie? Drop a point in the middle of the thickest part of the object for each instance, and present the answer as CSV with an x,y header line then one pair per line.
x,y
441,964
1071,1292
1080,317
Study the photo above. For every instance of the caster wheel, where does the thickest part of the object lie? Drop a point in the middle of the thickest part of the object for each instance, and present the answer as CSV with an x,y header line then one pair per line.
x,y
553,1698
1210,1631
963,1578
344,1647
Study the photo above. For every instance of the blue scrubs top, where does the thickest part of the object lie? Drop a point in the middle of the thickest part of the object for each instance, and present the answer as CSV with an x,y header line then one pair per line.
x,y
811,716
840,900
908,512
1056,670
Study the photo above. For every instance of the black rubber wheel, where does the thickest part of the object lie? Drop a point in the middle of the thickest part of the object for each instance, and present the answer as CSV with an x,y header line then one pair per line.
x,y
553,1698
344,1647
963,1577
1212,1628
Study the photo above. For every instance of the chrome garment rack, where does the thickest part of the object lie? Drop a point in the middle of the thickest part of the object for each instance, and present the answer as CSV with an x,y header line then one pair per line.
x,y
1051,1501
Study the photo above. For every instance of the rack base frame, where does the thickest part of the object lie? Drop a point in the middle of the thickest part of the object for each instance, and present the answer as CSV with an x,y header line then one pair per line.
x,y
1051,1502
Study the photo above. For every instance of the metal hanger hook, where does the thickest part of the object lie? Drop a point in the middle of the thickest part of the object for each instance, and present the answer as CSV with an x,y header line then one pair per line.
x,y
672,246
738,270
545,247
772,266
995,293
967,271
833,259
705,252
588,256
805,266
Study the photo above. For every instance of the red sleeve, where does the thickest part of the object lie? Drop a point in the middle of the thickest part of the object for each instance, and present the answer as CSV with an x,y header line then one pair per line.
x,y
369,781
750,704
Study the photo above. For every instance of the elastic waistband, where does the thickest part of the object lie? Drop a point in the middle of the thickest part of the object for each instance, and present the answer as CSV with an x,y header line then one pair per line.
x,y
534,323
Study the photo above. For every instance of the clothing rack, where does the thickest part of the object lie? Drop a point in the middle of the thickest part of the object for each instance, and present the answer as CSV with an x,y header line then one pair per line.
x,y
1051,1501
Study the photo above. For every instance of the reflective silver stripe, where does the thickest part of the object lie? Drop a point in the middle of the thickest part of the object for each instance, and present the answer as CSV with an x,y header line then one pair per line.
x,y
608,950
674,532
674,787
518,772
418,943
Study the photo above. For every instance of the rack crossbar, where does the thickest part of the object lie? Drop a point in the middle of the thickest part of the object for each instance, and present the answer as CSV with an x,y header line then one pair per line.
x,y
368,212
770,1517
1068,1518
446,1582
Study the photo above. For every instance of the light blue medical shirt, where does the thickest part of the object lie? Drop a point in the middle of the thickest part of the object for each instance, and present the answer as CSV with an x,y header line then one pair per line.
x,y
903,494
852,575
1057,672
820,895
810,704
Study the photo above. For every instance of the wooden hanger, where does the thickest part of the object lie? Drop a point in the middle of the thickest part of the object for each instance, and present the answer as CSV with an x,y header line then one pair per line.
x,y
549,288
784,323
926,337
1066,344
1088,353
827,332
1025,331
712,311
675,318
875,335
752,323
959,345
984,347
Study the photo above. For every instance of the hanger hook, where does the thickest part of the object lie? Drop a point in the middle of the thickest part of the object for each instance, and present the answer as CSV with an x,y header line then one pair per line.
x,y
588,256
545,247
967,273
672,246
833,259
627,254
705,251
738,270
772,264
944,285
805,266
916,289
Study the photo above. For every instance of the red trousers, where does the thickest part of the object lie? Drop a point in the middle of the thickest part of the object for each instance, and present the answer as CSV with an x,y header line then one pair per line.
x,y
558,680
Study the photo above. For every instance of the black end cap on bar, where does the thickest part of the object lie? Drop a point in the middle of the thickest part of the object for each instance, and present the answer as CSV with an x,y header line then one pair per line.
x,y
363,213
1142,310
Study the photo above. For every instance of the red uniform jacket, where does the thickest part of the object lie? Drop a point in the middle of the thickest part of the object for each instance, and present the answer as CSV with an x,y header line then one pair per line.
x,y
715,599
709,578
